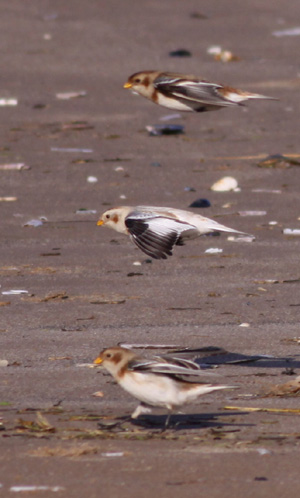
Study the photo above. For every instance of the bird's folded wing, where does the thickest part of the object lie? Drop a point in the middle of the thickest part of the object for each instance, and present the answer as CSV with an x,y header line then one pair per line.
x,y
202,91
169,368
155,235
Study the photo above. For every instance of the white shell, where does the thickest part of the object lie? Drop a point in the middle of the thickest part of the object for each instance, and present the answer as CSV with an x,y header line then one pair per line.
x,y
225,184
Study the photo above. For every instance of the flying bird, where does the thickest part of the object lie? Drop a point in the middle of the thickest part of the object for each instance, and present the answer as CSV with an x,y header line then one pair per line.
x,y
156,230
161,381
182,92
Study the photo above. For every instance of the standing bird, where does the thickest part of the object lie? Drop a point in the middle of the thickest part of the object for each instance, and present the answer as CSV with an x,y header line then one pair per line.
x,y
182,92
156,230
162,381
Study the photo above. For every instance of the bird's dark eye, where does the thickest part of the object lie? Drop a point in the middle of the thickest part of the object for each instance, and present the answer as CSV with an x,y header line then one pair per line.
x,y
107,216
137,80
108,355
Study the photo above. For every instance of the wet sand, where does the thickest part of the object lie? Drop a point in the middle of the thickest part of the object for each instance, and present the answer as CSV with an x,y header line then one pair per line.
x,y
84,291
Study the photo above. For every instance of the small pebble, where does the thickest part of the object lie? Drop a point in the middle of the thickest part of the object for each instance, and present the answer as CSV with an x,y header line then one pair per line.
x,y
86,211
70,95
119,168
273,222
200,203
181,52
122,196
245,324
189,189
164,129
137,263
213,250
3,363
92,179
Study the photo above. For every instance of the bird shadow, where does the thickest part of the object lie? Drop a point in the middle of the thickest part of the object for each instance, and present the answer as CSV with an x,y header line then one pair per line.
x,y
211,356
181,421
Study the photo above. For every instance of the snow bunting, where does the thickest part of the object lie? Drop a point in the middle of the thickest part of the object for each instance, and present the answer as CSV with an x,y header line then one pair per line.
x,y
186,92
161,381
156,230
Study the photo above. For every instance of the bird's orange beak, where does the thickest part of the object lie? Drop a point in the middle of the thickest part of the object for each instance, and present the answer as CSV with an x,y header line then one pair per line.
x,y
98,361
127,85
100,223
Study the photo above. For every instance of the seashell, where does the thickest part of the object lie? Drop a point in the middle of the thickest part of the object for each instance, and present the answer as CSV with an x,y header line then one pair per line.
x,y
225,184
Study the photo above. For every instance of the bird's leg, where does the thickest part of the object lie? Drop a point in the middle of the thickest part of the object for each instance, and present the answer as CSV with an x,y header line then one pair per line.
x,y
167,422
142,408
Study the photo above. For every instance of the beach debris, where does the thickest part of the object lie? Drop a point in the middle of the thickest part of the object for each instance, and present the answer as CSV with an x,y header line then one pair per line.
x,y
263,451
92,179
222,55
168,117
262,409
14,292
198,15
225,184
34,223
34,489
213,250
8,199
40,424
164,129
265,191
98,394
200,203
14,166
180,52
8,102
114,454
85,211
71,149
290,388
287,32
252,213
291,231
241,238
278,161
137,345
3,363
77,125
70,95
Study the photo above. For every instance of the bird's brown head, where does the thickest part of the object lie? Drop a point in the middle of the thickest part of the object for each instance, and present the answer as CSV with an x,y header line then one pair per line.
x,y
141,81
114,359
